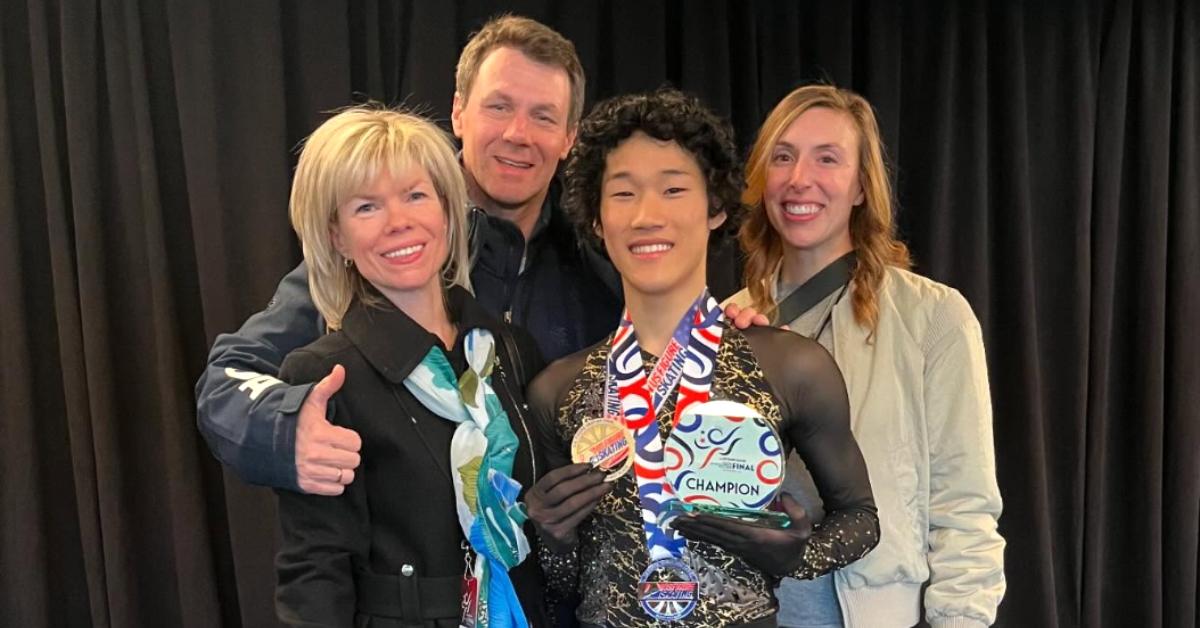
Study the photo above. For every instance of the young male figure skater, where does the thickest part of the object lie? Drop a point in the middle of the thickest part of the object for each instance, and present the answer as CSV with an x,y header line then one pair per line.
x,y
652,175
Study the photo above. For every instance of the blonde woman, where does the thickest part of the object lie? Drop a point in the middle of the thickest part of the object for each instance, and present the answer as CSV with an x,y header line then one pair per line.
x,y
823,259
431,383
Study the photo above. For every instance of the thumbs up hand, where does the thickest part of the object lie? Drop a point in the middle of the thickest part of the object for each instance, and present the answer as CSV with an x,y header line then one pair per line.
x,y
326,455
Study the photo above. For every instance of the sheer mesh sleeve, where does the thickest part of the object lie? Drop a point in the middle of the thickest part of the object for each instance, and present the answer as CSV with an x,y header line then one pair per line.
x,y
561,570
816,420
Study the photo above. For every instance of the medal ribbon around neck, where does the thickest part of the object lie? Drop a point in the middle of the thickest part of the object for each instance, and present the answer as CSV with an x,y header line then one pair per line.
x,y
688,361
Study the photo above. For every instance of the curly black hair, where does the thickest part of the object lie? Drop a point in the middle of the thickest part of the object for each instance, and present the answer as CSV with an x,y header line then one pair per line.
x,y
665,114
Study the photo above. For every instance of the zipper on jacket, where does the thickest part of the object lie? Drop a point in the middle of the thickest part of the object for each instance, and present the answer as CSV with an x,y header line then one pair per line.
x,y
520,418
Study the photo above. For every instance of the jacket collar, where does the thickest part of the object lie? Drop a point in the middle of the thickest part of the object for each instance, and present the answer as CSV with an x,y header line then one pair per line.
x,y
395,344
550,212
498,246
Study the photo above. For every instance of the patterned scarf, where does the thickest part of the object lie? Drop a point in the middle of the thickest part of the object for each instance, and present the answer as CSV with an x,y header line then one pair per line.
x,y
481,461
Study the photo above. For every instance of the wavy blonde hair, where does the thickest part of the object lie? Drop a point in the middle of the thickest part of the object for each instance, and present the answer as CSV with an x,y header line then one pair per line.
x,y
343,156
872,229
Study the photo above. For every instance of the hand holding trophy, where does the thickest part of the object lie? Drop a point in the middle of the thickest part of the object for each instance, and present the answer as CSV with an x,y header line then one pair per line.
x,y
724,462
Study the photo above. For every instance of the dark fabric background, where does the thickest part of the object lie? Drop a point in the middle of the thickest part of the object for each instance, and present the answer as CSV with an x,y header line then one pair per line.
x,y
1047,165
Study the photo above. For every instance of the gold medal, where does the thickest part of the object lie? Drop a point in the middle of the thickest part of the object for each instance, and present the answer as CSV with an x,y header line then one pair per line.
x,y
604,444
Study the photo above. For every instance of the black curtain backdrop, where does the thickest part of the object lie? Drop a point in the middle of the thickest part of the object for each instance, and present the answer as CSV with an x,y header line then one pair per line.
x,y
1047,165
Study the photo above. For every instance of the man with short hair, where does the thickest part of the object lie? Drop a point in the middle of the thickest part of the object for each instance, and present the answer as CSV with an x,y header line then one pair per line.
x,y
517,104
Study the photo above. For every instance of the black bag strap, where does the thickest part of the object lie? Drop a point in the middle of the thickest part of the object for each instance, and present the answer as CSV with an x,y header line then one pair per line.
x,y
834,276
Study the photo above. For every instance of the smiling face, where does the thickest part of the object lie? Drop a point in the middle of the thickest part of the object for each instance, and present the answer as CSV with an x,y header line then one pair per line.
x,y
395,231
654,216
514,128
813,183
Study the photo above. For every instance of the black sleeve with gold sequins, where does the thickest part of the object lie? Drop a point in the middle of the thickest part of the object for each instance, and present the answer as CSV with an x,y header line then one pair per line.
x,y
816,420
561,570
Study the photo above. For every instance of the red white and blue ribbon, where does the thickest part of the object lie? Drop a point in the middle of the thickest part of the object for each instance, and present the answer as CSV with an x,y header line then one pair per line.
x,y
688,362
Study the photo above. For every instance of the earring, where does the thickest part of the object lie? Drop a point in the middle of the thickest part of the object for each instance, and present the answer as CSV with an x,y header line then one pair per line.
x,y
348,262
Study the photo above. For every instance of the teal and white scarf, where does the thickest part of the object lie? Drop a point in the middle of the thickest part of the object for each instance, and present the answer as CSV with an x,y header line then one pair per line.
x,y
481,461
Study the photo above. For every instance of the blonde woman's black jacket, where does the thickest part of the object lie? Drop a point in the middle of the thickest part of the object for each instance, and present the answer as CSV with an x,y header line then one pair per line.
x,y
388,551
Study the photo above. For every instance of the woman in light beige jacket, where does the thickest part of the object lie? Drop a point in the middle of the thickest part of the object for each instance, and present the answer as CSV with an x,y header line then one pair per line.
x,y
822,258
